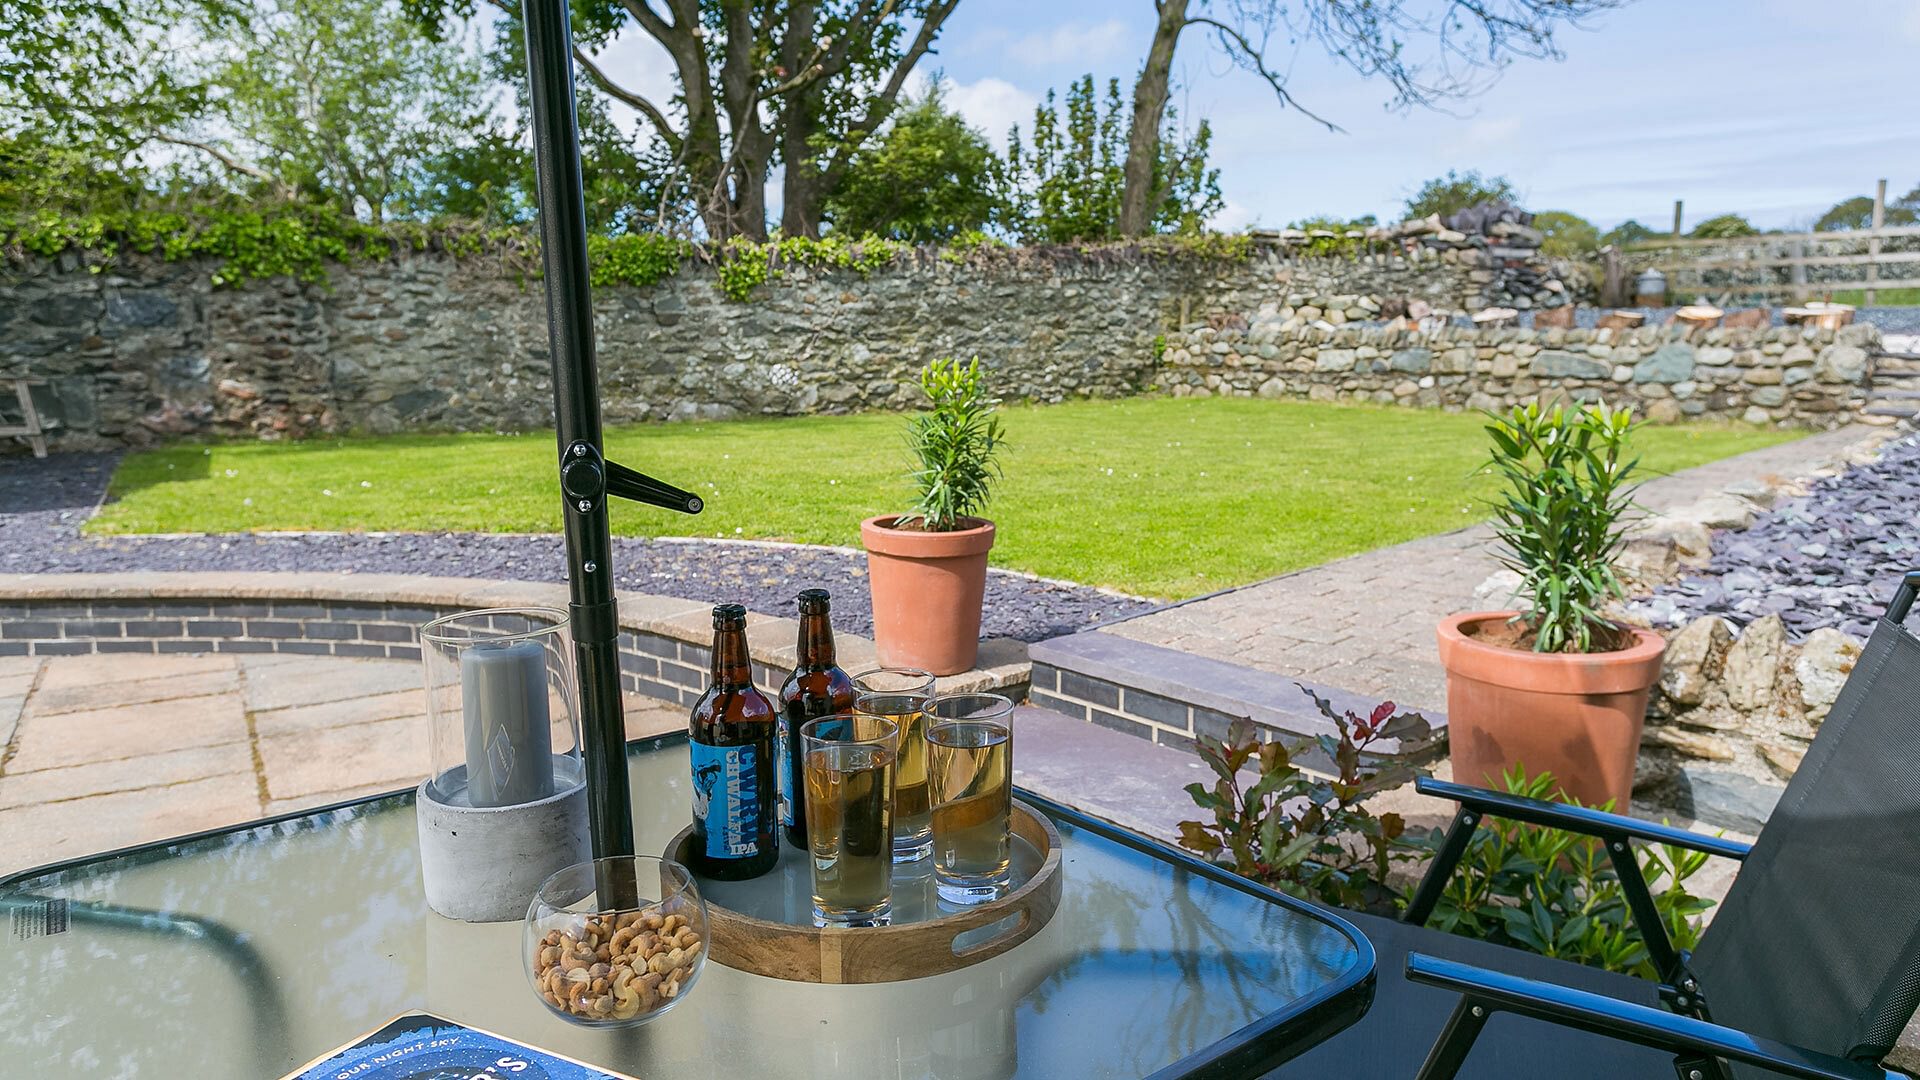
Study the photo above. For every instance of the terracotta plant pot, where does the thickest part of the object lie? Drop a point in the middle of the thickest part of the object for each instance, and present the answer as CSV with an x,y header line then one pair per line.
x,y
927,589
1577,716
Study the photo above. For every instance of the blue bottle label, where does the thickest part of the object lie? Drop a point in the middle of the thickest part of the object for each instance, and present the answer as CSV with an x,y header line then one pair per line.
x,y
783,757
727,799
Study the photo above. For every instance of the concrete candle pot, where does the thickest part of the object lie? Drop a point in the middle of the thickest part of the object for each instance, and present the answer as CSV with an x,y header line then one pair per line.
x,y
505,806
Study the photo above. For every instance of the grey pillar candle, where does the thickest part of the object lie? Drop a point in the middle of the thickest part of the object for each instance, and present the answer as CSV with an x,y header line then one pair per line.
x,y
503,689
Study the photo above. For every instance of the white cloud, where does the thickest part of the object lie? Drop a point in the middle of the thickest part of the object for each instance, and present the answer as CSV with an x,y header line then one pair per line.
x,y
990,104
1233,217
1087,44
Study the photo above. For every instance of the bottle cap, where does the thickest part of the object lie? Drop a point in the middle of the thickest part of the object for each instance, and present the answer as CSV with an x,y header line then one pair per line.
x,y
814,600
727,614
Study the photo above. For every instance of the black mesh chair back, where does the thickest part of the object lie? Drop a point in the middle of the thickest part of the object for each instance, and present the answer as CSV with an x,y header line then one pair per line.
x,y
1818,942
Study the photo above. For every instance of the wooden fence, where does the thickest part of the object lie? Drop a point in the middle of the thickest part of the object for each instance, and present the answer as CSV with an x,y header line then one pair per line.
x,y
1771,267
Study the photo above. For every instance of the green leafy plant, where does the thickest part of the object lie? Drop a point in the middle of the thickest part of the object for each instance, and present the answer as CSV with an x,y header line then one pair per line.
x,y
1338,244
1456,191
1724,227
1567,235
955,443
1303,833
744,266
1628,233
1062,183
964,246
1563,517
928,177
636,258
1555,893
1221,247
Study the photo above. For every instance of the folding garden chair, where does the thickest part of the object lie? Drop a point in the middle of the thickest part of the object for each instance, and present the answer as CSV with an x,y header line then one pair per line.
x,y
1810,968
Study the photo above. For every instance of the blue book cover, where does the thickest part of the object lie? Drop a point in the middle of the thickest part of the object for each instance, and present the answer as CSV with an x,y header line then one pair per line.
x,y
421,1046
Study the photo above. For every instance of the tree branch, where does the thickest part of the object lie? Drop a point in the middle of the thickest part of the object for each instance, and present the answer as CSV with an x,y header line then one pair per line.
x,y
612,89
1253,60
810,72
881,104
232,163
649,19
622,94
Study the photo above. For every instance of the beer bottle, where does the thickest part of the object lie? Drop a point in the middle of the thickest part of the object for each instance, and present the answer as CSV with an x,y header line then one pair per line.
x,y
816,688
736,832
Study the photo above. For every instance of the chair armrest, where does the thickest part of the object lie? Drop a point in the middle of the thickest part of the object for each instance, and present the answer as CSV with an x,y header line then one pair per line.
x,y
1647,1026
1580,819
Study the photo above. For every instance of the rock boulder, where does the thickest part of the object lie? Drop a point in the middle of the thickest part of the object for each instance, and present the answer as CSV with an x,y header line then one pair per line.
x,y
1695,658
1753,664
1826,659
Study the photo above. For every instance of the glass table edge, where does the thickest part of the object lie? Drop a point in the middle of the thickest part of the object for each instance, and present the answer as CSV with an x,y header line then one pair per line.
x,y
1251,1050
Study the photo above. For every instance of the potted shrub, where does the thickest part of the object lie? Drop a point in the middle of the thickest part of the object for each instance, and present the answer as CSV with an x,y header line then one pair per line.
x,y
1558,686
927,568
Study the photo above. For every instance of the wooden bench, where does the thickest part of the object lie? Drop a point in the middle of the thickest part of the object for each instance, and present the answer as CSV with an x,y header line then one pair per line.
x,y
29,427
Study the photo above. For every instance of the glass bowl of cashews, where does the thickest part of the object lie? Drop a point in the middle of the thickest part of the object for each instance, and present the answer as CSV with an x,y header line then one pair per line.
x,y
616,942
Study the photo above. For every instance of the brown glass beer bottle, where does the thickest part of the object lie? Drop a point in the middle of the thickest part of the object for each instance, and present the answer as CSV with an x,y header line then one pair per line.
x,y
816,688
731,744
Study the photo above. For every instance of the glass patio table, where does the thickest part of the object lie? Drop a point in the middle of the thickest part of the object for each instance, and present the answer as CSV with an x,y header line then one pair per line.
x,y
248,952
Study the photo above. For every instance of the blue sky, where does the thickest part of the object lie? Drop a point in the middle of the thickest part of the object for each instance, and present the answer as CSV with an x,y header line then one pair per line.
x,y
1772,108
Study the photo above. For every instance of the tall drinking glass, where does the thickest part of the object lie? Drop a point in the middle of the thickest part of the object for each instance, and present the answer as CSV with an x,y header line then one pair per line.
x,y
902,696
847,765
970,776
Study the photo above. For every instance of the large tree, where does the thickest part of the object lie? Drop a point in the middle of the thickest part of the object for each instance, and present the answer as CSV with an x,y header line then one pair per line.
x,y
1426,50
798,83
928,177
1857,212
93,76
336,100
341,101
1456,191
1063,182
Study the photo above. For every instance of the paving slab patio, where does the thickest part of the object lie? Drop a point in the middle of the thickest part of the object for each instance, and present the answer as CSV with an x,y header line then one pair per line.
x,y
1365,623
105,754
104,751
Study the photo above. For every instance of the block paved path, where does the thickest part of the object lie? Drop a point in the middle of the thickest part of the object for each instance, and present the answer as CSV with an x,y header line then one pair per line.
x,y
103,751
1366,623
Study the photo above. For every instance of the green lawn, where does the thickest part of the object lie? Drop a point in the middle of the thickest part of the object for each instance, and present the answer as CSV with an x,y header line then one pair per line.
x,y
1882,297
1158,496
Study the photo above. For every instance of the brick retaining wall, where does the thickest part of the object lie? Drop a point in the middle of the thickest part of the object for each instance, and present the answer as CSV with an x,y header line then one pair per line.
x,y
663,650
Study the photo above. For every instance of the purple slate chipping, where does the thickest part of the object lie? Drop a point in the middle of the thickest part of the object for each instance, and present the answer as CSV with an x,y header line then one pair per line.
x,y
1820,560
46,501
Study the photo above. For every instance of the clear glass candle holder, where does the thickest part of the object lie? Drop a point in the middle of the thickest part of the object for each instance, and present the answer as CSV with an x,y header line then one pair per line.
x,y
616,942
500,704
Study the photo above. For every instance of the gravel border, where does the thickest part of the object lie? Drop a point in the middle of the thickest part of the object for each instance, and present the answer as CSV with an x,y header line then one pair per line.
x,y
1827,558
43,504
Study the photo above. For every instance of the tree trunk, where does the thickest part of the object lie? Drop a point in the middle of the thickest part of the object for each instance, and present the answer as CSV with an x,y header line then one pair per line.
x,y
802,199
804,184
1149,110
738,201
802,189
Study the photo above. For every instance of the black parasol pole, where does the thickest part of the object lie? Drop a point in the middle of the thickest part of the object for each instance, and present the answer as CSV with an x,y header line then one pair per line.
x,y
586,477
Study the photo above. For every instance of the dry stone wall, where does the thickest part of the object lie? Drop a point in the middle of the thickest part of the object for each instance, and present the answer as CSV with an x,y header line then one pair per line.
x,y
1810,377
149,350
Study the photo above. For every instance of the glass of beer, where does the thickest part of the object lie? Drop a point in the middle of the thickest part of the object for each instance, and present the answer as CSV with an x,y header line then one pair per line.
x,y
902,695
847,765
970,774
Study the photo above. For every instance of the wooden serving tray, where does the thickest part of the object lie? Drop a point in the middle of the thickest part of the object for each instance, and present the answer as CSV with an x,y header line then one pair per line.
x,y
778,939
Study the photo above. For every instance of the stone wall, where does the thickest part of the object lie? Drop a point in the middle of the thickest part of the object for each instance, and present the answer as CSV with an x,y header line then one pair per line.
x,y
148,350
1812,378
